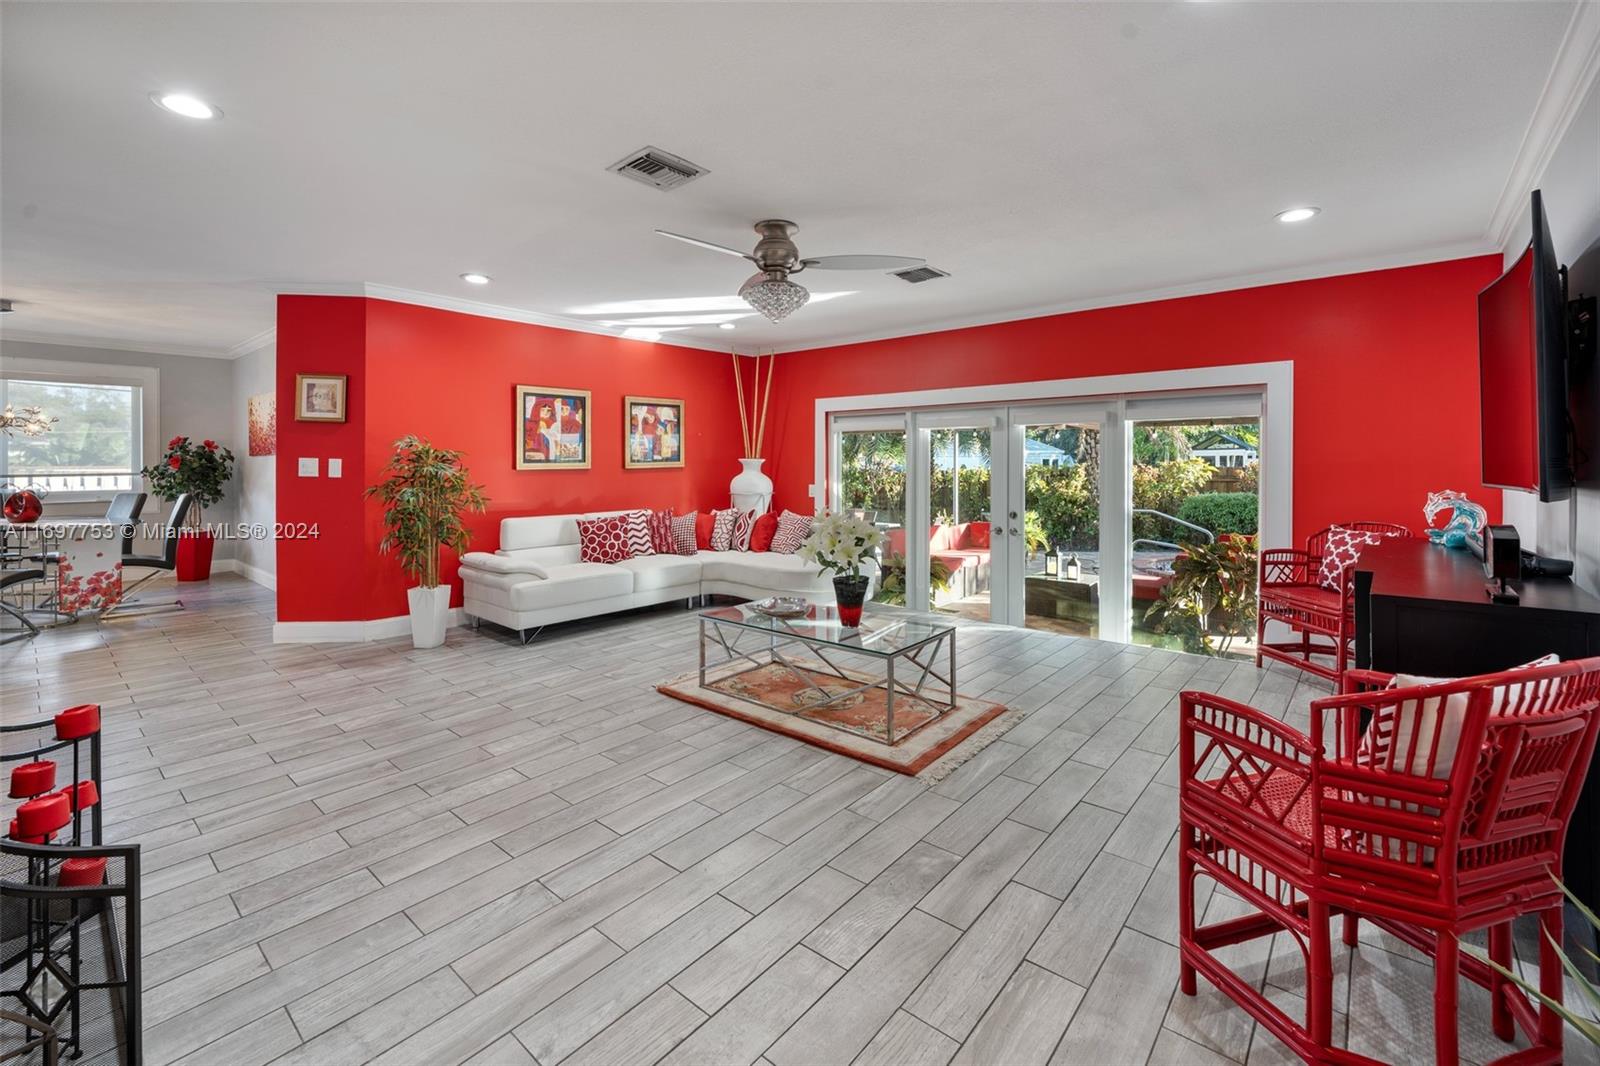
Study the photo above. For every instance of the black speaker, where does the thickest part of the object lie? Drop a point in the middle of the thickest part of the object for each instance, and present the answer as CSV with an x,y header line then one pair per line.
x,y
1502,562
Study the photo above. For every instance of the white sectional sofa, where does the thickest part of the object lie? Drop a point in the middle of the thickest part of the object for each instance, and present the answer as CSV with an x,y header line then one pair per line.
x,y
536,577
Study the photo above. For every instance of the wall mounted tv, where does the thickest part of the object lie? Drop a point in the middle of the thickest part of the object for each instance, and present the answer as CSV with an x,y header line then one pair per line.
x,y
1522,366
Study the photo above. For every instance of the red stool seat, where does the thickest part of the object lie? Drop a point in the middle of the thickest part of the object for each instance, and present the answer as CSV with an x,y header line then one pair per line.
x,y
14,835
77,722
33,779
80,873
87,795
42,816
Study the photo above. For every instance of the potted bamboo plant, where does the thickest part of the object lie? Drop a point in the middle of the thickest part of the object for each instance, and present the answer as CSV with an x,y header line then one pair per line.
x,y
424,493
201,470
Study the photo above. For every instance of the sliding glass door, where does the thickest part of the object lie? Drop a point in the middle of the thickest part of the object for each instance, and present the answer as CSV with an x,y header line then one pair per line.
x,y
1067,517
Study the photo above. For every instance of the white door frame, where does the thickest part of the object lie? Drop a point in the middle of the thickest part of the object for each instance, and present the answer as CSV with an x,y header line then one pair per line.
x,y
1123,399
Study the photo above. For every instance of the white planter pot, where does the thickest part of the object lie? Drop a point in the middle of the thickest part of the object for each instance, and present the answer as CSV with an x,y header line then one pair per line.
x,y
429,610
750,489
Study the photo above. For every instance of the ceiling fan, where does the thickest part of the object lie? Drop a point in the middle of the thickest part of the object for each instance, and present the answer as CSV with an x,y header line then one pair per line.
x,y
769,290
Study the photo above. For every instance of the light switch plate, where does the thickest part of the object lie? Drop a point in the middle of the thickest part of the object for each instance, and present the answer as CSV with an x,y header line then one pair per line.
x,y
308,467
336,468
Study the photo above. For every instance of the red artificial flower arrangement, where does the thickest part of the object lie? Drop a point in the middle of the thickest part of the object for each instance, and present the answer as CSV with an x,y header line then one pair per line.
x,y
202,470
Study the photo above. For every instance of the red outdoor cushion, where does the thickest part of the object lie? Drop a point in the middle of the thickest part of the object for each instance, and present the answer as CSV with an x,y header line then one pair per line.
x,y
80,721
33,779
704,522
761,533
44,815
603,540
978,535
1308,598
82,873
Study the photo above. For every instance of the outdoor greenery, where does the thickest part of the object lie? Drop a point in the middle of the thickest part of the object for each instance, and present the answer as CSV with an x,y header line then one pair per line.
x,y
92,431
424,493
201,470
1063,500
1222,512
1212,597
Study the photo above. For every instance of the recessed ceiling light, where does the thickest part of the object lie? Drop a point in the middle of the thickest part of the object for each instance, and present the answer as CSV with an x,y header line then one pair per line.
x,y
725,325
1298,214
186,105
476,279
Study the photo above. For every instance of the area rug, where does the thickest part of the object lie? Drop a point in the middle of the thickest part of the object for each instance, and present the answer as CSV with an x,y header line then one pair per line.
x,y
852,726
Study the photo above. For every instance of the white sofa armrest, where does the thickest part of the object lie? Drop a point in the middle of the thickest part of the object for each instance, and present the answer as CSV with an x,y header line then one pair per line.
x,y
503,564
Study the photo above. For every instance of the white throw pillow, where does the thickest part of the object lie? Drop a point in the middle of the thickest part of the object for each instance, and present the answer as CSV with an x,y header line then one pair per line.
x,y
1419,719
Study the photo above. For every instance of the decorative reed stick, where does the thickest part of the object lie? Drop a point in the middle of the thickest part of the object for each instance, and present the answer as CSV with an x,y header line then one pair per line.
x,y
738,387
761,422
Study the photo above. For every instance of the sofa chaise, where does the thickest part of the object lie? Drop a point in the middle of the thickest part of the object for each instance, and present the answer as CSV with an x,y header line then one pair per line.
x,y
537,576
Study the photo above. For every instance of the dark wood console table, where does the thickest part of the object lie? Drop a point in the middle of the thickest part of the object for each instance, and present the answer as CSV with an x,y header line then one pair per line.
x,y
1421,609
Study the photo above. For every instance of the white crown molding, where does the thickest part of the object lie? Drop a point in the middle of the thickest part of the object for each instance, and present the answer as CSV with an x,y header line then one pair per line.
x,y
116,344
1576,66
1209,286
254,344
352,632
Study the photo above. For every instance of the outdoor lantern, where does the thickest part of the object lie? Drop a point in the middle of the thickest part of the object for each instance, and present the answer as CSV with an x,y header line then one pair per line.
x,y
1052,564
1071,568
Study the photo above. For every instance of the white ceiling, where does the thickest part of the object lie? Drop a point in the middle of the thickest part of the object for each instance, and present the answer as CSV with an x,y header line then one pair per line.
x,y
1048,156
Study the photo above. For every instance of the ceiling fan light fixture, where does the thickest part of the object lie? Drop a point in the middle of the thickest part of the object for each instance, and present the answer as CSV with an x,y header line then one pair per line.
x,y
774,295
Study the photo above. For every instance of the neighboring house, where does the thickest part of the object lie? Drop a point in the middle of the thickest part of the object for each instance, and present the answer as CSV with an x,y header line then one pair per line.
x,y
1035,453
1224,450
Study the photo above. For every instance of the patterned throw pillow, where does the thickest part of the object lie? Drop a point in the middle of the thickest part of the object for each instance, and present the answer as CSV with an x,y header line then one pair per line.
x,y
683,540
639,533
722,529
792,531
660,523
761,533
744,523
603,540
1340,552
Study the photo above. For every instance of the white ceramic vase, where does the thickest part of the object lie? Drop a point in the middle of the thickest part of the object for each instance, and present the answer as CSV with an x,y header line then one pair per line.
x,y
750,489
430,608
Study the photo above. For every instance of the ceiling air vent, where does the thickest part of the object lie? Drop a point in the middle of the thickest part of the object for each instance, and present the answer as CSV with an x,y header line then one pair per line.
x,y
917,275
658,169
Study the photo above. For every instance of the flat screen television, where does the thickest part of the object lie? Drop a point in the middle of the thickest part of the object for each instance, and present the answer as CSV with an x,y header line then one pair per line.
x,y
1522,367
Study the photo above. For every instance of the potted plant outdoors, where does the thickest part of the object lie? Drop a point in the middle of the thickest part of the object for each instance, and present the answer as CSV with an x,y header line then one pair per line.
x,y
842,543
424,493
201,470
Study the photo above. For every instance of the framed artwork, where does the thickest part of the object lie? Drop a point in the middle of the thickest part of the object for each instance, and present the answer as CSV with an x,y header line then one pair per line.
x,y
320,397
552,428
652,434
262,412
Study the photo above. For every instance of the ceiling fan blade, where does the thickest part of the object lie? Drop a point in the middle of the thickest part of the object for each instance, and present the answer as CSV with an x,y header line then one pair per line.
x,y
724,249
862,262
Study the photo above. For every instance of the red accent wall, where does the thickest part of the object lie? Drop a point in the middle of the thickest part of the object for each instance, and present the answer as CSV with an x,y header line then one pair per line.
x,y
451,377
1386,378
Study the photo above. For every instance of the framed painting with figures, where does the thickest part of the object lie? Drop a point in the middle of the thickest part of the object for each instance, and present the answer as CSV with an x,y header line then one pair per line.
x,y
320,397
552,428
652,433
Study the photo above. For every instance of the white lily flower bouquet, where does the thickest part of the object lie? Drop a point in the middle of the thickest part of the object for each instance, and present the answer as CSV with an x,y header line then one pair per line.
x,y
841,543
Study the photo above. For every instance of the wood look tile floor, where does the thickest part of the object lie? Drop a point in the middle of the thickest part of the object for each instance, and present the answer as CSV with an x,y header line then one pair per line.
x,y
495,854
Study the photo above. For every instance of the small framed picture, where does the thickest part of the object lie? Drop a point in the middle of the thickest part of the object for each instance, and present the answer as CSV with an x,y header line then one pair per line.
x,y
652,433
320,397
552,428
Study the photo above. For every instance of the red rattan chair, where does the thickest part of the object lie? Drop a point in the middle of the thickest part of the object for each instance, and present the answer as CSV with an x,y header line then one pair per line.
x,y
1429,830
1291,593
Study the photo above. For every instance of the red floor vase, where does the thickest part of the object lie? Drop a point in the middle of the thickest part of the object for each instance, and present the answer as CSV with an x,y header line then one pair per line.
x,y
194,555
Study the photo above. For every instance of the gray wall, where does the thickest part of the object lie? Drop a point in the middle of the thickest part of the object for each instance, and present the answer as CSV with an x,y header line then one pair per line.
x,y
255,483
195,399
1568,529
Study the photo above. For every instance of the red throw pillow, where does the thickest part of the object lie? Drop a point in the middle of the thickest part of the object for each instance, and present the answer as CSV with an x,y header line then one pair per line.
x,y
761,534
603,540
978,534
660,523
704,522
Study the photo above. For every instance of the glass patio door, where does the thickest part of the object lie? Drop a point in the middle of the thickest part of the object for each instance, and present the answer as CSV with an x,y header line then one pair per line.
x,y
954,568
1065,519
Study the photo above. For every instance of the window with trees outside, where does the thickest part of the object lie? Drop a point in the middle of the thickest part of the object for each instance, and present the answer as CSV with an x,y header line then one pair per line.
x,y
94,446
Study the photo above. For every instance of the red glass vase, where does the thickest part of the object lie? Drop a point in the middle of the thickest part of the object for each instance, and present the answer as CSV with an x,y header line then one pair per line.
x,y
850,593
23,507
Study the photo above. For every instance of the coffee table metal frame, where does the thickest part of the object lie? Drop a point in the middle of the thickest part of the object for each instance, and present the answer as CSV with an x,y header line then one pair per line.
x,y
720,630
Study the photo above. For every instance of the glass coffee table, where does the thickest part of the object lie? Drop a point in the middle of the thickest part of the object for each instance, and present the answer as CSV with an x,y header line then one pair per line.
x,y
894,658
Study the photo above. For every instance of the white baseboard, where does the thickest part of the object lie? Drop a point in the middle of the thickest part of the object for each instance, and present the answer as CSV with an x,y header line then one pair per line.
x,y
264,578
351,632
